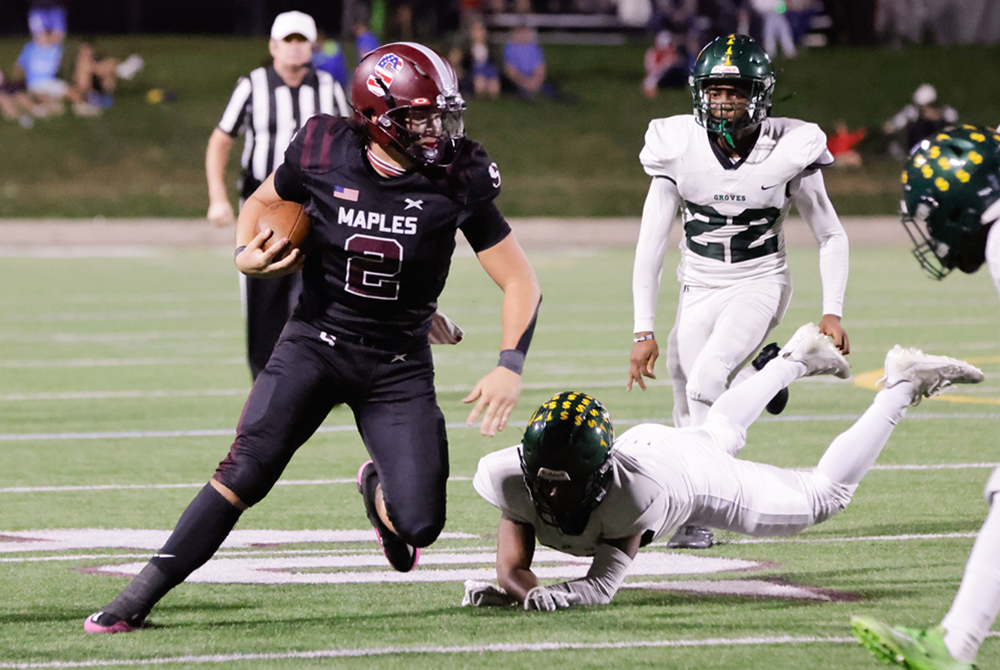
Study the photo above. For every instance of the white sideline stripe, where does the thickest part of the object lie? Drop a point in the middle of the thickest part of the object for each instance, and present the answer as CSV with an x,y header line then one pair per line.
x,y
505,648
117,487
210,432
112,395
326,482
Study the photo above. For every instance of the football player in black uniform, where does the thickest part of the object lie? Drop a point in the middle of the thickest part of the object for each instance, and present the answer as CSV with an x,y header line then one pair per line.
x,y
386,193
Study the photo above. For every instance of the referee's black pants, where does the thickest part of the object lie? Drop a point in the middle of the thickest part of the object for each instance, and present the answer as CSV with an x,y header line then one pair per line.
x,y
269,303
395,409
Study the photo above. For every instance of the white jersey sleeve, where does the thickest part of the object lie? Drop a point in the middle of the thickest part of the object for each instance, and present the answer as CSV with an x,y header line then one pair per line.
x,y
811,199
500,483
658,214
993,254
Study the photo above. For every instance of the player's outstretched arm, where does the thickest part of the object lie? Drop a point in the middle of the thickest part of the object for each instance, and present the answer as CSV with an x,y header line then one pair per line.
x,y
251,257
813,202
515,551
496,394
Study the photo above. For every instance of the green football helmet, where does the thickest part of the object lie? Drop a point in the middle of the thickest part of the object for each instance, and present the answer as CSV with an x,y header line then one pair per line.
x,y
949,182
567,447
739,60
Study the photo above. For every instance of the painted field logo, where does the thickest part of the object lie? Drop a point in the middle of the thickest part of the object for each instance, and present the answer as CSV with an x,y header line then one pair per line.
x,y
270,557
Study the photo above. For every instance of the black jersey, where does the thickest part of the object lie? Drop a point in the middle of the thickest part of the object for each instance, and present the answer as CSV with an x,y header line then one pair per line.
x,y
379,249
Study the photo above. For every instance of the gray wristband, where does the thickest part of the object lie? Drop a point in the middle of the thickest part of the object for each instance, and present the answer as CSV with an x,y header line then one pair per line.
x,y
239,250
512,359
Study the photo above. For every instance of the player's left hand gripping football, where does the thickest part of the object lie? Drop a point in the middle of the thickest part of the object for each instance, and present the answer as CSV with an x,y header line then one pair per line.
x,y
497,394
830,325
260,263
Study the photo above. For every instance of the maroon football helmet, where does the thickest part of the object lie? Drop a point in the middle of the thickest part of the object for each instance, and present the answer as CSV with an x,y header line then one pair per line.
x,y
407,96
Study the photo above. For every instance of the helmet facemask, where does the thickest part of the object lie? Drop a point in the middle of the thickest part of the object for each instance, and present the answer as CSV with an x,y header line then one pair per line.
x,y
577,499
758,104
427,134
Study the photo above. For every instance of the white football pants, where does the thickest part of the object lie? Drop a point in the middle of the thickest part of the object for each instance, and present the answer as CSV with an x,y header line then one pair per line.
x,y
716,332
764,500
978,600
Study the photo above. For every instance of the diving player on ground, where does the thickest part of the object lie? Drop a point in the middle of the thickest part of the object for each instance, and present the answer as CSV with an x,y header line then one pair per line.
x,y
573,487
386,194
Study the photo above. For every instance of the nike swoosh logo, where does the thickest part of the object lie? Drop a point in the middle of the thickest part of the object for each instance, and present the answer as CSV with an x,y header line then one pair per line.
x,y
765,188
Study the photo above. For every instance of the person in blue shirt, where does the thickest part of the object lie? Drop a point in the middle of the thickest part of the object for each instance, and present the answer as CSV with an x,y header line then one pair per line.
x,y
364,39
328,56
524,66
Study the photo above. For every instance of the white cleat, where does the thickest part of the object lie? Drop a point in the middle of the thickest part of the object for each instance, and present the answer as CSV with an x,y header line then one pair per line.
x,y
816,351
930,375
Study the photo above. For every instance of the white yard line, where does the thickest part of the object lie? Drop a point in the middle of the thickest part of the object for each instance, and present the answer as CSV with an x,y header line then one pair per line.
x,y
506,648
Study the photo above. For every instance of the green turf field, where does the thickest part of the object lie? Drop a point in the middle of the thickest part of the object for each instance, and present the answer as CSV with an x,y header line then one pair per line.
x,y
123,379
142,159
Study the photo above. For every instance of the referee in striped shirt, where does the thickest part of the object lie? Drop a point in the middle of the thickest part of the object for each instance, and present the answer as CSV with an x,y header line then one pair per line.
x,y
268,107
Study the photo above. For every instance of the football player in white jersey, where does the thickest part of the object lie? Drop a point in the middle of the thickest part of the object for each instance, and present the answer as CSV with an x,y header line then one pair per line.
x,y
572,487
733,172
951,200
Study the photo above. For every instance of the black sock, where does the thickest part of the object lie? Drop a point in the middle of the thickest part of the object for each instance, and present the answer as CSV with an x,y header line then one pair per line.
x,y
200,531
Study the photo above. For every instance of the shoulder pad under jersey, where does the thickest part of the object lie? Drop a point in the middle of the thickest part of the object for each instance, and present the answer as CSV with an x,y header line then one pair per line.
x,y
324,141
800,144
666,140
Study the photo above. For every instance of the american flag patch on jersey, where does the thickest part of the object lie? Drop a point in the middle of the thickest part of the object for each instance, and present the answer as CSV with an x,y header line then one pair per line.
x,y
345,193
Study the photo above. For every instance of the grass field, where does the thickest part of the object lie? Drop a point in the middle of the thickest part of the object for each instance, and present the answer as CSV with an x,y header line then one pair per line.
x,y
123,379
143,160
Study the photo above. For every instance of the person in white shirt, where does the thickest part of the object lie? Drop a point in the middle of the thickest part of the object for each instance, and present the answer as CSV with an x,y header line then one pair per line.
x,y
570,485
734,173
951,201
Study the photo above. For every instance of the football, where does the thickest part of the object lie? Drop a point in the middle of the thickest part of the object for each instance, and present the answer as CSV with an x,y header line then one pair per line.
x,y
286,219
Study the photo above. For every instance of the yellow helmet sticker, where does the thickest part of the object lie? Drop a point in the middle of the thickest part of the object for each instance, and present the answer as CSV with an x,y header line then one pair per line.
x,y
942,184
963,176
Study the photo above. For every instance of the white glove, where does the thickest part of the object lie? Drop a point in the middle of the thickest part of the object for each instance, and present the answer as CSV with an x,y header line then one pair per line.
x,y
484,594
443,330
549,600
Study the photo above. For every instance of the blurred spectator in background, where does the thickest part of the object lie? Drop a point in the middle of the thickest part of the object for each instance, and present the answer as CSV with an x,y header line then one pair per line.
x,y
477,72
262,108
14,103
47,19
842,142
666,65
775,27
40,60
364,39
328,56
800,14
918,120
96,76
524,65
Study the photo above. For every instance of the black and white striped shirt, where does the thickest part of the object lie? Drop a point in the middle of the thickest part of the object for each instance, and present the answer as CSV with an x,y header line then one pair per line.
x,y
269,113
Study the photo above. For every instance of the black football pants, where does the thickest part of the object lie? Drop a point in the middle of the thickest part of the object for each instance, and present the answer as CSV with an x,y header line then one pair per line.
x,y
395,408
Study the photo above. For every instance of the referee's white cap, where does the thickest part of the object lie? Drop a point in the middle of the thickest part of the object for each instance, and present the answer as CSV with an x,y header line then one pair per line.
x,y
292,23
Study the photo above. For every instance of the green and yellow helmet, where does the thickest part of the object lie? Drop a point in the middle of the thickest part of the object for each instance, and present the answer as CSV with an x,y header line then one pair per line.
x,y
568,443
736,59
950,180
